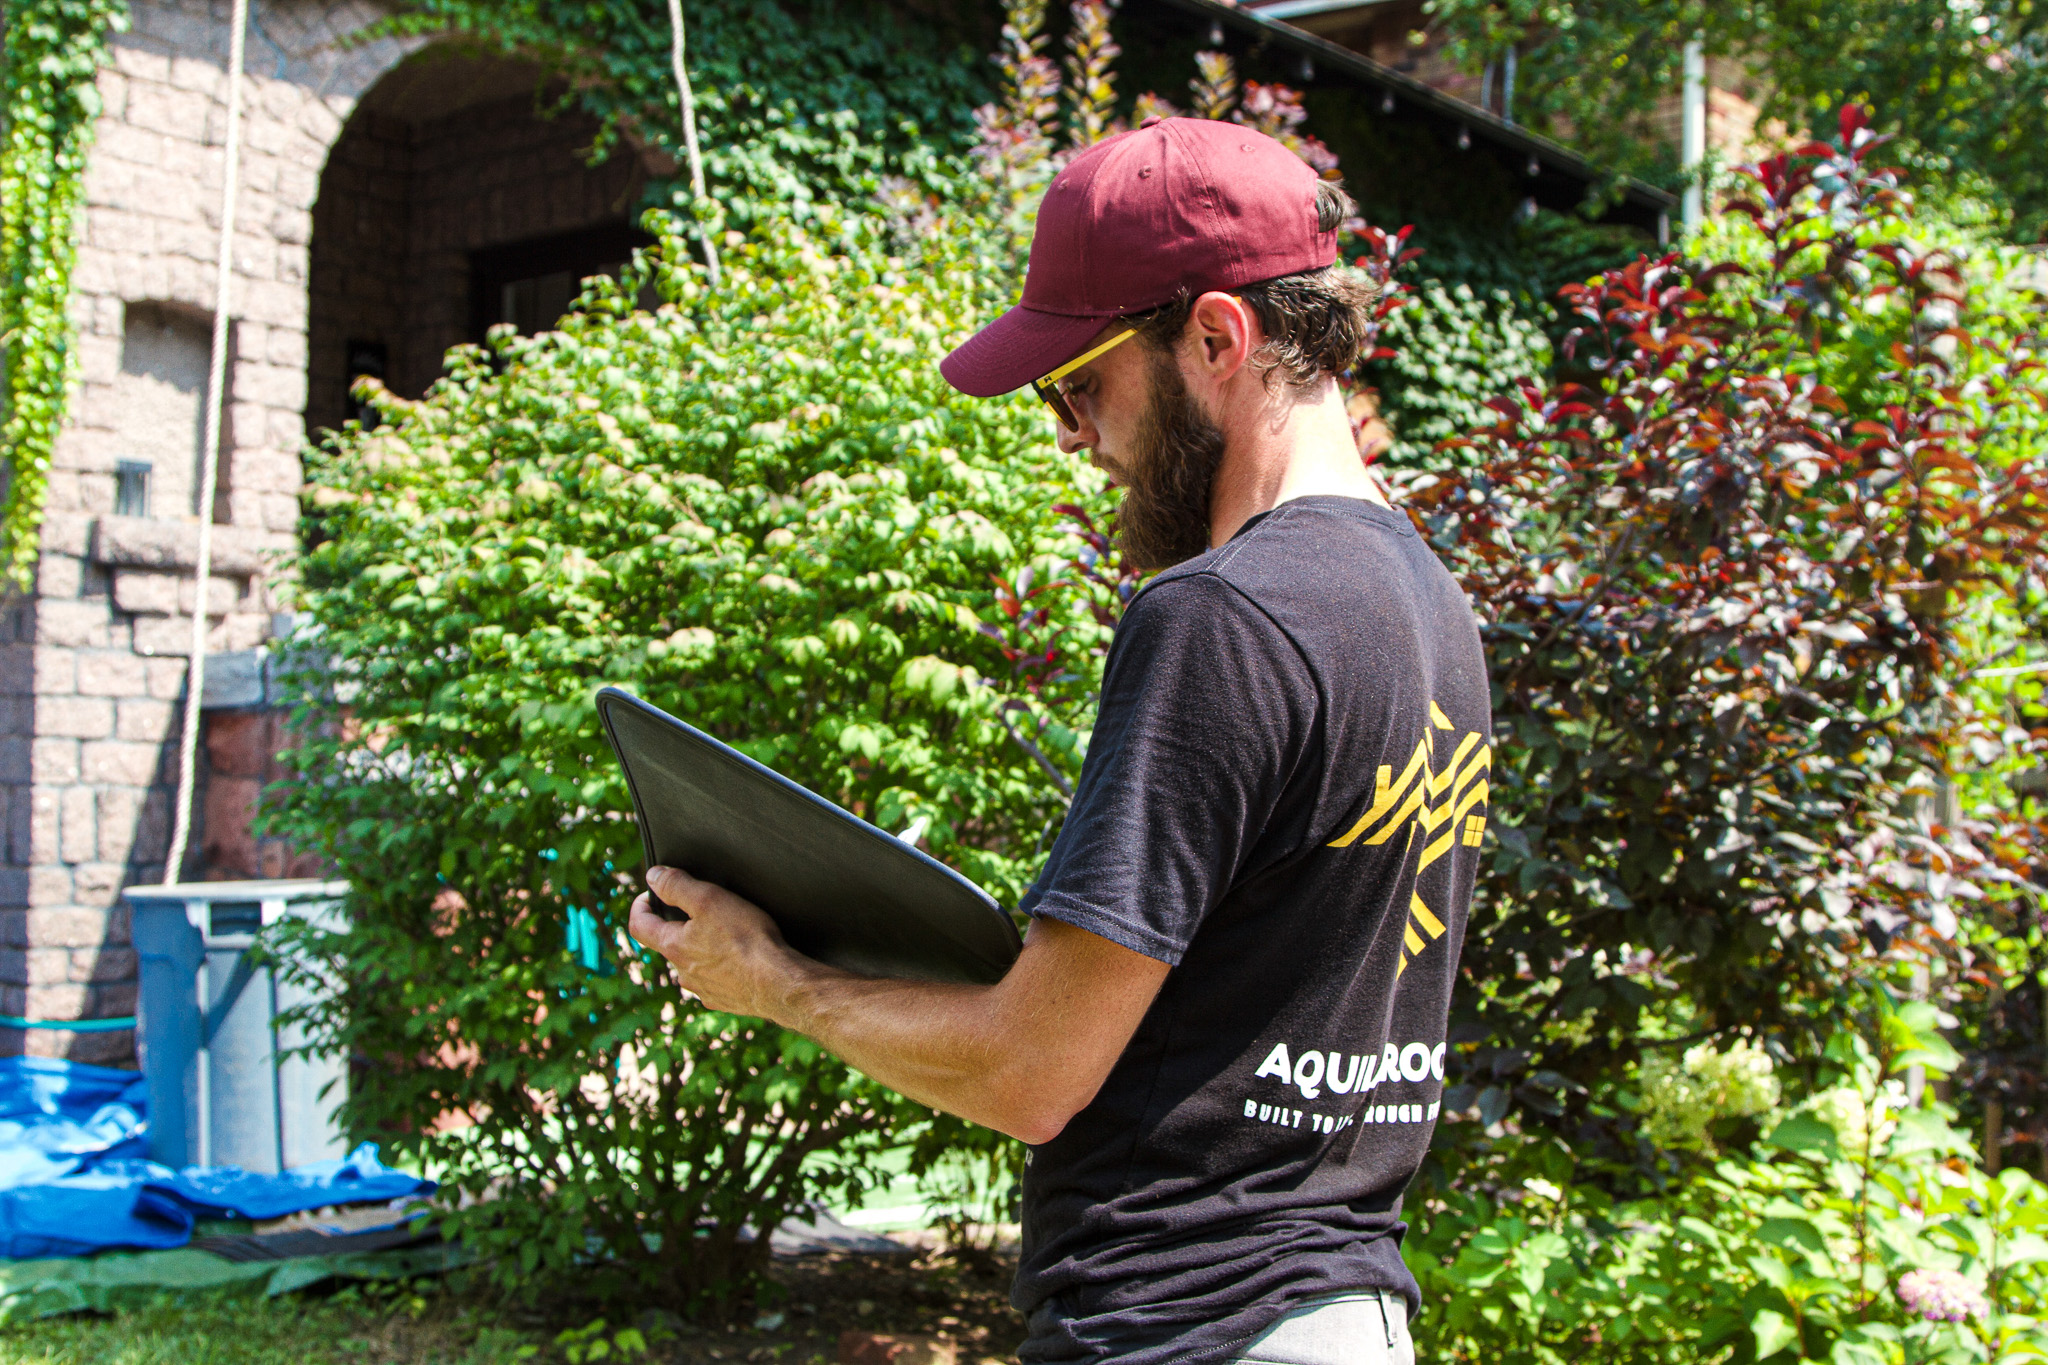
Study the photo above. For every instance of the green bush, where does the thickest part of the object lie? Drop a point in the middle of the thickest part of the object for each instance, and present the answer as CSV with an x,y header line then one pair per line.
x,y
763,510
1841,1236
1734,567
1718,566
1453,349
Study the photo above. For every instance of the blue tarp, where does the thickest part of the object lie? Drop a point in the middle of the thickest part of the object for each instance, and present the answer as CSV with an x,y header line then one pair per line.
x,y
72,1180
57,1116
80,1214
231,1192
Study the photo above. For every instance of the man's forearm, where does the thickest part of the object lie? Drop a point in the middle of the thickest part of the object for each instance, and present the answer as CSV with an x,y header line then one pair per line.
x,y
1021,1056
940,1044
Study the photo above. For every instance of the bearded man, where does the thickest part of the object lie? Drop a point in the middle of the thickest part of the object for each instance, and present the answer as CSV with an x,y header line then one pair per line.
x,y
1224,1037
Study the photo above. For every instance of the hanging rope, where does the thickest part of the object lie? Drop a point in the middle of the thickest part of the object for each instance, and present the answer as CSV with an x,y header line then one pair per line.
x,y
209,450
682,71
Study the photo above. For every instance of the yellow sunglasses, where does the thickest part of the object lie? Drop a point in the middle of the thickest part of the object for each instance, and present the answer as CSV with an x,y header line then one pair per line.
x,y
1049,389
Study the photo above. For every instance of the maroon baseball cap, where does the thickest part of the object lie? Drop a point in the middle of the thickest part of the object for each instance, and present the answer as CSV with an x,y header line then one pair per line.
x,y
1179,204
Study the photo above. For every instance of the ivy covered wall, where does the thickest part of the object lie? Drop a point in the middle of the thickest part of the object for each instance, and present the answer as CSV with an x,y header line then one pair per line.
x,y
53,48
797,108
830,101
795,104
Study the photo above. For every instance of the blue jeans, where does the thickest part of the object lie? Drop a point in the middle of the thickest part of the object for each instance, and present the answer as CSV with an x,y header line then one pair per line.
x,y
1365,1328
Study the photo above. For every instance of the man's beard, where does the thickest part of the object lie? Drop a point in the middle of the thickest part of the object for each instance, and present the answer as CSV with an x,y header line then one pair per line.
x,y
1170,477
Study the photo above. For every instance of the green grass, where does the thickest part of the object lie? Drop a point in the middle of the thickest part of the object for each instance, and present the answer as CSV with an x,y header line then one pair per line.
x,y
459,1320
346,1329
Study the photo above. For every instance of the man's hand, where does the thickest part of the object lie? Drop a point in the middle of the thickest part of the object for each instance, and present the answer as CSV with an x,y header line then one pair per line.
x,y
728,954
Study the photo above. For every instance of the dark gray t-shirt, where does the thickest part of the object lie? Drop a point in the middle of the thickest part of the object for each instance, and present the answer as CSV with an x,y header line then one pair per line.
x,y
1284,799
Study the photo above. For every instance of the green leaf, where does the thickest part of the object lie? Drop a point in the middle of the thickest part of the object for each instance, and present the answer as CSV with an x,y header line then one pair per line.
x,y
1773,1331
1803,1133
1792,1232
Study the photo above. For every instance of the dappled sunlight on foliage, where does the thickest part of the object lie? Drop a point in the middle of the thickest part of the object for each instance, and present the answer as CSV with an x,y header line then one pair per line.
x,y
763,510
1824,1238
1740,544
1717,595
1732,566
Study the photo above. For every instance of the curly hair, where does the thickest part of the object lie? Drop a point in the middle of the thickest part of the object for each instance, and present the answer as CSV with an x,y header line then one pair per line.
x,y
1316,322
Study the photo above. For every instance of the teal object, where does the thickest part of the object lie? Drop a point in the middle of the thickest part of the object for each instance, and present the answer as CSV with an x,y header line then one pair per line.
x,y
586,942
116,1025
588,939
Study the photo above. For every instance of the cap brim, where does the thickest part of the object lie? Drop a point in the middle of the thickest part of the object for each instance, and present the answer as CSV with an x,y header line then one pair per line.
x,y
1018,347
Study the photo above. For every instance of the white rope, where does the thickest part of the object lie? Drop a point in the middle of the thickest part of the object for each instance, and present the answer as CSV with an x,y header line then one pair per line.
x,y
209,451
682,73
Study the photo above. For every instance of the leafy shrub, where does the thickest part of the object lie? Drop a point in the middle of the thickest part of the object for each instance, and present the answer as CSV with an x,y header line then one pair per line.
x,y
1993,980
1452,350
1838,1242
763,510
1718,572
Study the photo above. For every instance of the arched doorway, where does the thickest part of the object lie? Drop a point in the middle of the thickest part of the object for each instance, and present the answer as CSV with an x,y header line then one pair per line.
x,y
445,205
448,204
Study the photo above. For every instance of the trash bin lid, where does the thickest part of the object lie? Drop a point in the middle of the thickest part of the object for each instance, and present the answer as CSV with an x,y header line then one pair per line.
x,y
277,889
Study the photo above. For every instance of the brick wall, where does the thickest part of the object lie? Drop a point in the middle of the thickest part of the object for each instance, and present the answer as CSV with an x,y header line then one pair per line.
x,y
366,183
238,761
488,177
92,668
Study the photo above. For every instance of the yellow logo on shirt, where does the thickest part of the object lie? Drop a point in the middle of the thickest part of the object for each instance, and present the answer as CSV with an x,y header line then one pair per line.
x,y
1424,800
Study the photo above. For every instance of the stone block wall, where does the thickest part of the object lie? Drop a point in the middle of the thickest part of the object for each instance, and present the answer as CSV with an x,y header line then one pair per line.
x,y
409,197
368,185
93,664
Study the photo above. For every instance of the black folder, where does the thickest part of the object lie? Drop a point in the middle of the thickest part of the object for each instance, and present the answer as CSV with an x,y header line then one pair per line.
x,y
841,890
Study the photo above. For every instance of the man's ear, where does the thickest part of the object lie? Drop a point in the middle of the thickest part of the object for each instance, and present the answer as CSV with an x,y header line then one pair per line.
x,y
1225,333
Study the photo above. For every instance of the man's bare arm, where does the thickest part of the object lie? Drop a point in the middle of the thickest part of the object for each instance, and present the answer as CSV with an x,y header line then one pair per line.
x,y
1022,1056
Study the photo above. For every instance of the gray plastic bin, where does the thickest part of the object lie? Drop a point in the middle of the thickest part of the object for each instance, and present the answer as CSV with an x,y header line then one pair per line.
x,y
206,1027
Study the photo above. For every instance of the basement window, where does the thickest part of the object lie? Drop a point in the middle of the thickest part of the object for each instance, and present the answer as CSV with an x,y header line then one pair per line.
x,y
131,488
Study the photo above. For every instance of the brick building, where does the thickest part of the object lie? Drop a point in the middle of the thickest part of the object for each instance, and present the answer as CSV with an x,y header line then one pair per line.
x,y
394,201
396,198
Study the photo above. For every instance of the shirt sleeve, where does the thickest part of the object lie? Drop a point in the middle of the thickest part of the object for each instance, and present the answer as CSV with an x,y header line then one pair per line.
x,y
1207,709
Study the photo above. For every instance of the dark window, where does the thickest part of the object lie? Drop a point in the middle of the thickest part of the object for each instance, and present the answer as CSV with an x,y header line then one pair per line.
x,y
234,917
131,488
531,284
366,359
